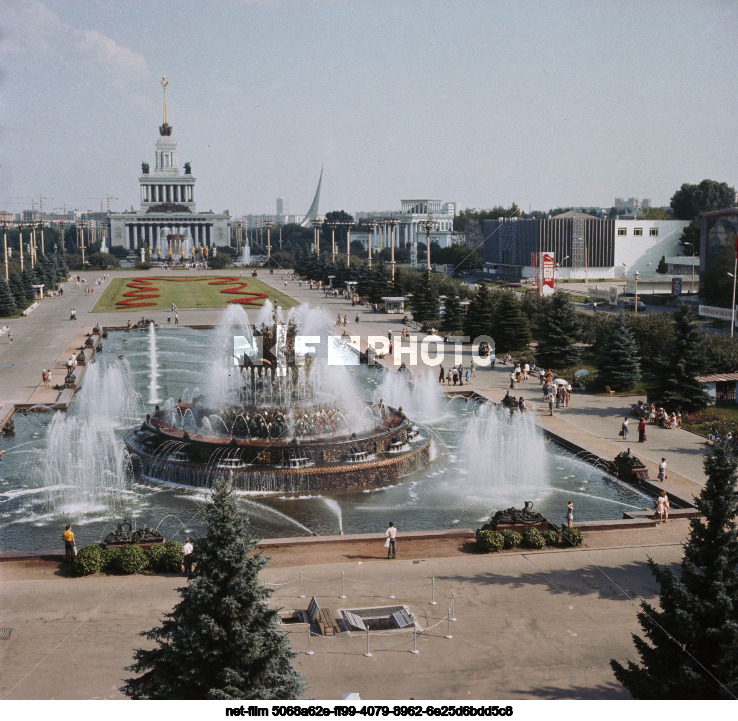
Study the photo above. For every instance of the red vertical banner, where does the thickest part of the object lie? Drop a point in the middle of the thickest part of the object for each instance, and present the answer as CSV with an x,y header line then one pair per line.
x,y
736,248
547,273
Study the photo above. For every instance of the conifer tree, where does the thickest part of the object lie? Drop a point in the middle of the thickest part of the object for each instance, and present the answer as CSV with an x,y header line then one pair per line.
x,y
7,301
479,314
28,279
618,364
425,303
560,331
15,283
453,314
690,649
675,369
511,325
222,640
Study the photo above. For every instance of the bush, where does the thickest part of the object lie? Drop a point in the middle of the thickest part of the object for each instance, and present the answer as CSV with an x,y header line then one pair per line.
x,y
143,265
488,541
109,556
166,558
573,536
129,559
533,538
512,539
89,560
551,537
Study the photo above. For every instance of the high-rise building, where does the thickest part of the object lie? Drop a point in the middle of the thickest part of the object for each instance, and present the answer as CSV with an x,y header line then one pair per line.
x,y
283,205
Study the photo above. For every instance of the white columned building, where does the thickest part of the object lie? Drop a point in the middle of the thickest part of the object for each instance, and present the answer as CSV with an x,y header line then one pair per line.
x,y
167,198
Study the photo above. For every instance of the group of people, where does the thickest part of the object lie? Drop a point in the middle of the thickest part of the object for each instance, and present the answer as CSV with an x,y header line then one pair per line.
x,y
656,416
45,377
458,375
514,403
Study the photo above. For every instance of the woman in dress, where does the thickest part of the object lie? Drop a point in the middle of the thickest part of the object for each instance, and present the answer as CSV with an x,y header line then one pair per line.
x,y
660,507
642,431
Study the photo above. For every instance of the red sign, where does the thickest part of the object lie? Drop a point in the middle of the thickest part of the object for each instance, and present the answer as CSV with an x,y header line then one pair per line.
x,y
547,273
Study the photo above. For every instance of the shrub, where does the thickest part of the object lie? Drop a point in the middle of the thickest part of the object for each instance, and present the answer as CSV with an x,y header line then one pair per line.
x,y
532,538
129,559
109,556
512,539
551,537
573,536
166,558
88,561
489,541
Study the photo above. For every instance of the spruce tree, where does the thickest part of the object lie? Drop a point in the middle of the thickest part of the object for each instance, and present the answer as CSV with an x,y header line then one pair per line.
x,y
425,303
222,640
15,283
479,314
691,645
618,364
453,313
675,369
7,301
511,326
560,331
28,279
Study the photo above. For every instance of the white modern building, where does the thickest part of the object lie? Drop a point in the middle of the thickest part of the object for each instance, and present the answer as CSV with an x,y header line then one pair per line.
x,y
167,198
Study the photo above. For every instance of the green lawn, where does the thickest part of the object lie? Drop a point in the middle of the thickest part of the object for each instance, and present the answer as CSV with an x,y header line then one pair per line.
x,y
186,292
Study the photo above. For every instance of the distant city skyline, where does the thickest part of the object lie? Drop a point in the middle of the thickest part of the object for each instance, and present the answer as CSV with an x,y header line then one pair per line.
x,y
480,103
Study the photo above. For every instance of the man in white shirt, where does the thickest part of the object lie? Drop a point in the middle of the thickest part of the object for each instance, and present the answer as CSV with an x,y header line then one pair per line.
x,y
391,532
662,470
187,550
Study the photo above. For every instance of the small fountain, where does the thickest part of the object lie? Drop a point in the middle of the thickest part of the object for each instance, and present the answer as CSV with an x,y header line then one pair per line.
x,y
153,367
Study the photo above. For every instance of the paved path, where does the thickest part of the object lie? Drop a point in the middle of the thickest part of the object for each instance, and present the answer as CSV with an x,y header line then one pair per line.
x,y
529,624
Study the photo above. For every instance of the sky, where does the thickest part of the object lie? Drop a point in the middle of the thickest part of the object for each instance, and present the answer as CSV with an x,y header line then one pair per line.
x,y
484,103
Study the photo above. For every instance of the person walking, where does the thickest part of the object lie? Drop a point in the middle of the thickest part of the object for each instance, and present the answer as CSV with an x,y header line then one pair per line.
x,y
660,506
187,550
441,375
662,470
642,431
176,319
10,338
624,428
390,543
68,538
667,505
570,515
550,403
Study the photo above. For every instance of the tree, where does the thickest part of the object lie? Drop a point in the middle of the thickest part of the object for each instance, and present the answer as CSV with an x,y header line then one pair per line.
x,y
453,313
15,283
690,647
108,260
479,314
618,363
425,303
691,200
559,333
678,365
222,640
511,329
7,301
716,284
662,267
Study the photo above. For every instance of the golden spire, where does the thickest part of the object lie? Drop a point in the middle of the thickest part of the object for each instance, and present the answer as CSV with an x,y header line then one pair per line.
x,y
164,83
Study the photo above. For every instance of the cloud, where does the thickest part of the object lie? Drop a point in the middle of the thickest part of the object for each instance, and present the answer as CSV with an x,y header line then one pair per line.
x,y
117,58
29,26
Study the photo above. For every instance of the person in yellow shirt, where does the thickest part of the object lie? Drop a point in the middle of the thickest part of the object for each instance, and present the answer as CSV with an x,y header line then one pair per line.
x,y
68,538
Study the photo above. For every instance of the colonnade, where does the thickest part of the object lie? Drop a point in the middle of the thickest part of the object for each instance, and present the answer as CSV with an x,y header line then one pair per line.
x,y
153,235
167,193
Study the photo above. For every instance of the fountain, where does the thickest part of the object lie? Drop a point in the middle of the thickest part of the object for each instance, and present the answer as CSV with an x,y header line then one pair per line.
x,y
277,416
153,366
246,254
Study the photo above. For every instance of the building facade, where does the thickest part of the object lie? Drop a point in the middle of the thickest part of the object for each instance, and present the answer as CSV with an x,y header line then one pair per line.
x,y
718,231
167,200
582,245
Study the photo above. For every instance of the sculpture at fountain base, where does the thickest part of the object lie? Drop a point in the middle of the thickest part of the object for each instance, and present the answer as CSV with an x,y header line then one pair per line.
x,y
125,535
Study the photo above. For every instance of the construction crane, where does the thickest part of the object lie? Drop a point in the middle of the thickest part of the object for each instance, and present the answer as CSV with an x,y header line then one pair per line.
x,y
104,197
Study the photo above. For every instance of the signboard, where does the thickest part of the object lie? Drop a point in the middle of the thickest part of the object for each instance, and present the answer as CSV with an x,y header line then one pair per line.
x,y
547,273
676,286
710,311
599,293
613,295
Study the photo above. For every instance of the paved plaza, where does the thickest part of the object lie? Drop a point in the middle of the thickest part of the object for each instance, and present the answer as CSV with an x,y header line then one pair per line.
x,y
529,624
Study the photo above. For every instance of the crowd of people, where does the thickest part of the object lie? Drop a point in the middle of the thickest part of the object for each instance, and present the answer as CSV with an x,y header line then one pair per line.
x,y
653,415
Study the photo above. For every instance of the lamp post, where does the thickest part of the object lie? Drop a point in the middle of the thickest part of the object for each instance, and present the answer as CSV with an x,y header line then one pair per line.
x,y
370,224
348,224
20,243
5,246
732,307
635,275
428,225
392,223
316,226
691,285
558,267
332,225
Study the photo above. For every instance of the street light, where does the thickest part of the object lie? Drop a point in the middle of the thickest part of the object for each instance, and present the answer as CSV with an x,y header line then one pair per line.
x,y
732,310
691,285
558,267
635,275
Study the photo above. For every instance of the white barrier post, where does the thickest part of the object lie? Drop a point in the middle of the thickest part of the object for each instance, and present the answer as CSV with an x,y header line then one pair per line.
x,y
391,595
448,625
302,592
310,651
368,652
453,606
414,649
433,591
343,585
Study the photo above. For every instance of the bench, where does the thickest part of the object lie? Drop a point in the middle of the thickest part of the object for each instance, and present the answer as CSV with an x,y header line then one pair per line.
x,y
323,617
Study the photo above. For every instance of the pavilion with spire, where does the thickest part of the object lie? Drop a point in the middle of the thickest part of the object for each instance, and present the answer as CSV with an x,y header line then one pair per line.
x,y
167,200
